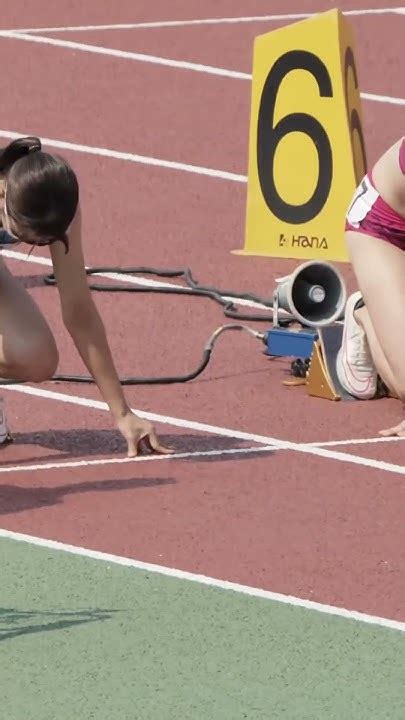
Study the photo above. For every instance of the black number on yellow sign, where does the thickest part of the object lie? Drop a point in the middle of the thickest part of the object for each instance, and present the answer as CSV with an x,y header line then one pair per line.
x,y
354,117
268,137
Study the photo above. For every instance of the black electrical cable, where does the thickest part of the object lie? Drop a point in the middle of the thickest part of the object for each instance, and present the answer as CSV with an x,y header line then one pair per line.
x,y
169,379
193,288
300,367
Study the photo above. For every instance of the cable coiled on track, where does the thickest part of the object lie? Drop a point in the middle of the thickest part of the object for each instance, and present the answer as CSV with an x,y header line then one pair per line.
x,y
192,288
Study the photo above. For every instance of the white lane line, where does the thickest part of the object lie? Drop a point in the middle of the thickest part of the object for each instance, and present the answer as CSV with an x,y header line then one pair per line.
x,y
207,21
216,430
178,64
112,52
141,458
205,580
358,441
132,157
387,99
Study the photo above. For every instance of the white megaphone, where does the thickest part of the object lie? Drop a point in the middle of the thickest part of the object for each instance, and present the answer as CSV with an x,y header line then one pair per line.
x,y
315,294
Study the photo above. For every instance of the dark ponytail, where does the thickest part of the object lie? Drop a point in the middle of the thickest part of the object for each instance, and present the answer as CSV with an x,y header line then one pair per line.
x,y
16,150
42,192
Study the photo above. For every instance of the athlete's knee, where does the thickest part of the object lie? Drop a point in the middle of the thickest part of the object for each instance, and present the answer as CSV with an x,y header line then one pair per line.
x,y
43,361
35,361
398,392
42,369
397,383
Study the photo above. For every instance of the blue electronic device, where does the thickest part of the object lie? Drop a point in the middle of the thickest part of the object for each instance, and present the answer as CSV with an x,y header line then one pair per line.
x,y
282,342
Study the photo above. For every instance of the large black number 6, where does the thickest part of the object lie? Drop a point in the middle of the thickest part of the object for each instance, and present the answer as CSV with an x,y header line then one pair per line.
x,y
268,137
354,118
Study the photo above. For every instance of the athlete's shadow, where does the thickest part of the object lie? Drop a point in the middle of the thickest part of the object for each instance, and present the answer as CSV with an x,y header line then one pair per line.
x,y
14,623
33,281
16,498
83,443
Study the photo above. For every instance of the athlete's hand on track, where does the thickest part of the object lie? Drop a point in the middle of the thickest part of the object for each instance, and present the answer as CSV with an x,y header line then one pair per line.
x,y
137,431
396,430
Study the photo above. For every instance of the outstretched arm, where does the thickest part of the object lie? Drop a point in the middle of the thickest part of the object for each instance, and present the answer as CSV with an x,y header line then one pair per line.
x,y
85,326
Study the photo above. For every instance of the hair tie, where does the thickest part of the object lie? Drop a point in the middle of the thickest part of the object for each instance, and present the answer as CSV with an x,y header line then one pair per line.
x,y
34,144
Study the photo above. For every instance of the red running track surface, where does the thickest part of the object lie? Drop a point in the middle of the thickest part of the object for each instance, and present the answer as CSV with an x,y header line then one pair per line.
x,y
314,527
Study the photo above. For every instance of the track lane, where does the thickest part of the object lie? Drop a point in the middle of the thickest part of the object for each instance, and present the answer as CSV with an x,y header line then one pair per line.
x,y
267,523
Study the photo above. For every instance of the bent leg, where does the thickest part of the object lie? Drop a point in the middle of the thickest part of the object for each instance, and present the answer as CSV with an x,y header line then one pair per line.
x,y
28,350
379,268
380,361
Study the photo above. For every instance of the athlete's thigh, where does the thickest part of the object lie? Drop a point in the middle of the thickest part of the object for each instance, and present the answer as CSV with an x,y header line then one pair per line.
x,y
379,268
24,332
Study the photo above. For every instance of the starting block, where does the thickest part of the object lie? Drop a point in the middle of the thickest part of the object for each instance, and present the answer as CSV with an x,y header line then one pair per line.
x,y
321,378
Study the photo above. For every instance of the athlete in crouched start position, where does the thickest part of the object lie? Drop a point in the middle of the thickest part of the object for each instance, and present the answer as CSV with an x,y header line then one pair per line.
x,y
373,345
39,204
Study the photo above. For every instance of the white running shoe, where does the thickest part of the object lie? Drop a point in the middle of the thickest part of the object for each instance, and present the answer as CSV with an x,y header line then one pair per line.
x,y
354,363
5,436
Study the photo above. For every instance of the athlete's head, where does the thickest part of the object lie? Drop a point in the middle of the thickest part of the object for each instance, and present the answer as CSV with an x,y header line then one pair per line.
x,y
41,193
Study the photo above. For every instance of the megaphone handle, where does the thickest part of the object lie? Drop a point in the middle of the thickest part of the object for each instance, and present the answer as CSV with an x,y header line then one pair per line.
x,y
275,308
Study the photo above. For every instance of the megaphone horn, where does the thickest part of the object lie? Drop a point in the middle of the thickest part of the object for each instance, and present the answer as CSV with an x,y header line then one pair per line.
x,y
315,294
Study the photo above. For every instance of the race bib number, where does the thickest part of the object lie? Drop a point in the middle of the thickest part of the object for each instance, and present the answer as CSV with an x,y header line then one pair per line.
x,y
363,201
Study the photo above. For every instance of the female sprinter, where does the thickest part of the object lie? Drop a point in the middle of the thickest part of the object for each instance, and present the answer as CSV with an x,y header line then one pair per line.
x,y
373,346
40,206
